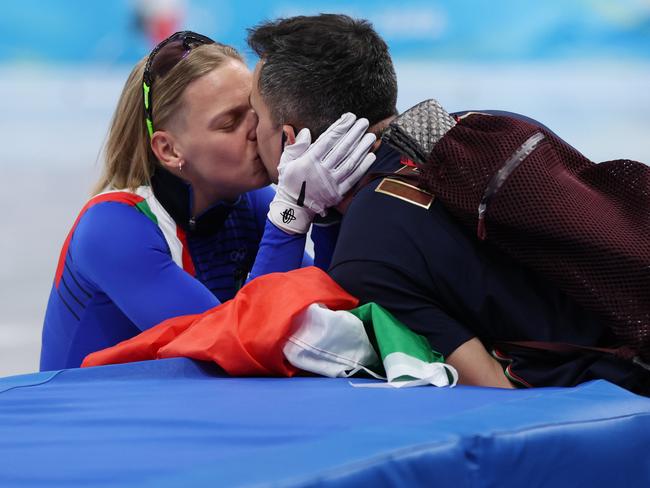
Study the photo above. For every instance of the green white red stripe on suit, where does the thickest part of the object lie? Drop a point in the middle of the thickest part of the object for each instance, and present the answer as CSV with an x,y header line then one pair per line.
x,y
144,200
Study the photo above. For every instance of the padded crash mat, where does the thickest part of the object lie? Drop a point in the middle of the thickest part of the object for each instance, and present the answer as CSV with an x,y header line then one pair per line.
x,y
176,422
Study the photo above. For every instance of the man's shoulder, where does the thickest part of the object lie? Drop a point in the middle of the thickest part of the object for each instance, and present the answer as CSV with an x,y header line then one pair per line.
x,y
391,195
390,215
501,113
402,185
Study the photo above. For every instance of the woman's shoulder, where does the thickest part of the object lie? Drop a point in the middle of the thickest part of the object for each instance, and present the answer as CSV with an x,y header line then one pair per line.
x,y
262,196
259,201
110,222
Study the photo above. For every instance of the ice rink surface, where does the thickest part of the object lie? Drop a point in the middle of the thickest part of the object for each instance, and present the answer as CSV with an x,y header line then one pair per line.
x,y
53,123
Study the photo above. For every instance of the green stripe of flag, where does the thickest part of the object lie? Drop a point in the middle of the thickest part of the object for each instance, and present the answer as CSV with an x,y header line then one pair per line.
x,y
393,336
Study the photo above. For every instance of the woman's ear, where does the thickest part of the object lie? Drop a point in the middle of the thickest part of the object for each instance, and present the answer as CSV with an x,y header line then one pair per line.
x,y
164,148
289,134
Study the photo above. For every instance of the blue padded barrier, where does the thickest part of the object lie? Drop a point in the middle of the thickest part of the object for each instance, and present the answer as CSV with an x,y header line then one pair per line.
x,y
178,422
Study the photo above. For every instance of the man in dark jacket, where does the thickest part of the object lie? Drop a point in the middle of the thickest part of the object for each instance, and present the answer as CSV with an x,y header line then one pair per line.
x,y
398,245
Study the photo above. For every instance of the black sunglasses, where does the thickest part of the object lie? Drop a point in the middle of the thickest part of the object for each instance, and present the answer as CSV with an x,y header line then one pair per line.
x,y
162,59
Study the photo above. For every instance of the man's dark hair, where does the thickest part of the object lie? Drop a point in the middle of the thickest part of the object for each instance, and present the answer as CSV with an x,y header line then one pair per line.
x,y
317,68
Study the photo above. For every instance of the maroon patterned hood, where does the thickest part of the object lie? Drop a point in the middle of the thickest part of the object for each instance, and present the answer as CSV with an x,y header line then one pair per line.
x,y
584,226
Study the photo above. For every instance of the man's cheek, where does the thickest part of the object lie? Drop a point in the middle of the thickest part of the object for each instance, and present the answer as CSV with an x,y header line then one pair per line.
x,y
272,166
283,142
275,147
272,171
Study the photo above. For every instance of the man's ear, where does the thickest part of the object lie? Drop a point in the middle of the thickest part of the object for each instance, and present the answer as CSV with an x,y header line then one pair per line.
x,y
289,134
164,148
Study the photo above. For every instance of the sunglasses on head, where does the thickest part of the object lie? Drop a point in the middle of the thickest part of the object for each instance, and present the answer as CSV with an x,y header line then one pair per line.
x,y
162,59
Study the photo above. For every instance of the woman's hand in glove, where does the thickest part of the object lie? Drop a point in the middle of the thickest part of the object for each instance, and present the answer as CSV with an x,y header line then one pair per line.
x,y
315,177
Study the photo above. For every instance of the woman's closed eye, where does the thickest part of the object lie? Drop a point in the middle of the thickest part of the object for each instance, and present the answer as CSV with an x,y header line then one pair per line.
x,y
228,122
228,125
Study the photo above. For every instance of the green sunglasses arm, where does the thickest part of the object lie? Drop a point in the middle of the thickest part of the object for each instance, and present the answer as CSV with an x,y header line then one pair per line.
x,y
145,89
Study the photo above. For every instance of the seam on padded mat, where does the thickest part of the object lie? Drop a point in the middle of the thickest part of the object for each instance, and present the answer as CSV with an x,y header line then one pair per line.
x,y
422,448
33,384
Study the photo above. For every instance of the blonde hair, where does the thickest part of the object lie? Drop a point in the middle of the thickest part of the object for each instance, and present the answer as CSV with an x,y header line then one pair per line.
x,y
129,161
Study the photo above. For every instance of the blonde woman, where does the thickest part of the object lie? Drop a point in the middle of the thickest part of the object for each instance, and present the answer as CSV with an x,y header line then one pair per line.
x,y
180,213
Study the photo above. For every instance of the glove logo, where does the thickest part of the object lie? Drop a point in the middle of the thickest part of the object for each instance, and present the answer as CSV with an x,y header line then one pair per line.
x,y
288,216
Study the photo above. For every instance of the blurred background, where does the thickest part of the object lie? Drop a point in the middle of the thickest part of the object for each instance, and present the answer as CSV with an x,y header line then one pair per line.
x,y
581,67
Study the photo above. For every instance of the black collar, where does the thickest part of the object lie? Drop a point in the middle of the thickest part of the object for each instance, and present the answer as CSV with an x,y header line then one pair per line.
x,y
175,195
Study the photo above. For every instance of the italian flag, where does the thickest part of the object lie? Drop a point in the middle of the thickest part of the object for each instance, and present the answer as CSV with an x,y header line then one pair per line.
x,y
365,339
284,323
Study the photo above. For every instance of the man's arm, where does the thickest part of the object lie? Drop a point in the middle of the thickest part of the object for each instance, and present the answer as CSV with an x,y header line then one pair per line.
x,y
476,367
396,291
412,261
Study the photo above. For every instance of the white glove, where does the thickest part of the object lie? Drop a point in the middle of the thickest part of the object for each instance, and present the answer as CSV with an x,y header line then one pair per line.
x,y
313,178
